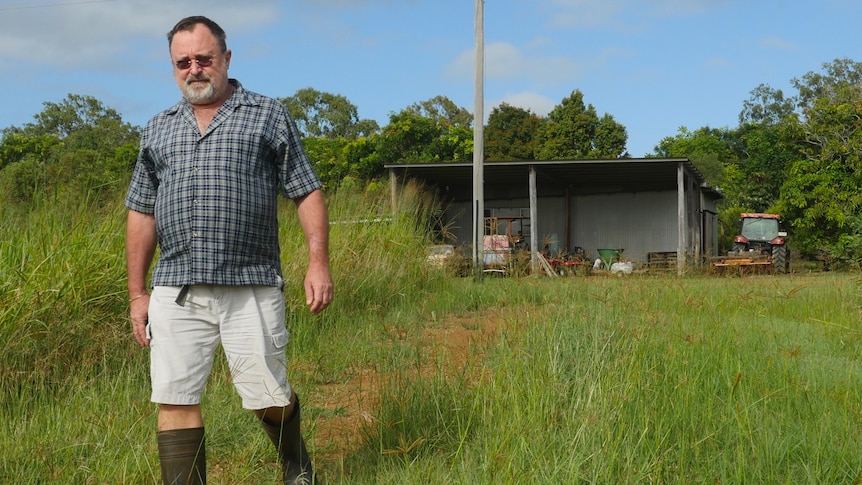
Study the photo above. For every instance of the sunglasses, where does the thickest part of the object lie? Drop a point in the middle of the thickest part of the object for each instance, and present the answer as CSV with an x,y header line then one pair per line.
x,y
202,61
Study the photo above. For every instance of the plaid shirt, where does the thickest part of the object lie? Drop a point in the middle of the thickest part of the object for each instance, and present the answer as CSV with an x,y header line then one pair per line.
x,y
214,196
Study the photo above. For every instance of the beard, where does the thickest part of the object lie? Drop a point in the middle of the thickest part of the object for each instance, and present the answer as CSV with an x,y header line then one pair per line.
x,y
197,92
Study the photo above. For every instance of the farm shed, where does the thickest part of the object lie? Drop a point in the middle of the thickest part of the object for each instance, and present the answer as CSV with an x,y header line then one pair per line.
x,y
651,208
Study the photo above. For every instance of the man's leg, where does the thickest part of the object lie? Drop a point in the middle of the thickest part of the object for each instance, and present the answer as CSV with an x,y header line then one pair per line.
x,y
183,343
182,445
179,417
282,425
254,338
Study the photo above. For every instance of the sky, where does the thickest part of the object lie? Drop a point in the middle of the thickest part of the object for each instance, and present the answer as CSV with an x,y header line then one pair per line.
x,y
655,66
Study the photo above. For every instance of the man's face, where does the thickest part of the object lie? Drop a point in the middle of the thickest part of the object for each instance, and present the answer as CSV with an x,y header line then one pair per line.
x,y
199,84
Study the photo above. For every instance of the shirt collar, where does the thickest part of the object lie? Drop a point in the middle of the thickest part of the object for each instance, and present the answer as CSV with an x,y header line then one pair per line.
x,y
239,97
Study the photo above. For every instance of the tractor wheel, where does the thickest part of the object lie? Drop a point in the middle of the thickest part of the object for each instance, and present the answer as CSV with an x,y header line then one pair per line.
x,y
780,260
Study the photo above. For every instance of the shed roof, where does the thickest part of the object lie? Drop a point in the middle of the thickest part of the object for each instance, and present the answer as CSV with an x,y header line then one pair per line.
x,y
581,176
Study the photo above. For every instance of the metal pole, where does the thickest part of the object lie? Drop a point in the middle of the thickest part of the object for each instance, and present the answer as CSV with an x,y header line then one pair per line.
x,y
479,142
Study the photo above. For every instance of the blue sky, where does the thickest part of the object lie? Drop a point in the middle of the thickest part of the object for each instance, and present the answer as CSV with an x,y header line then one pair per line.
x,y
654,65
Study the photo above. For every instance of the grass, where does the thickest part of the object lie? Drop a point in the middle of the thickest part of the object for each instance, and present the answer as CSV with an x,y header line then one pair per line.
x,y
413,376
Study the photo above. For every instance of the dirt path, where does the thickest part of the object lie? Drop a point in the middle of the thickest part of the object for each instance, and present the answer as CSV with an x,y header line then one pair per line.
x,y
350,407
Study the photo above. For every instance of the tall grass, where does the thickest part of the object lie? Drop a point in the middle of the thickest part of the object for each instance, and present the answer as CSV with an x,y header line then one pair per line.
x,y
412,376
61,286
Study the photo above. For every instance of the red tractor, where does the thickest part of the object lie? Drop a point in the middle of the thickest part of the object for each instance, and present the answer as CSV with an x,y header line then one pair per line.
x,y
762,240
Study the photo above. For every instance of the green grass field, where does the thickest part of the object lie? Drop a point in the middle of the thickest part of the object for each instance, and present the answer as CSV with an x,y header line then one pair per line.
x,y
414,376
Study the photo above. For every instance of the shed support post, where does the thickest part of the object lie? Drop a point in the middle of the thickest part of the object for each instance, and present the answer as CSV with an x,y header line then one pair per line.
x,y
534,226
682,227
393,190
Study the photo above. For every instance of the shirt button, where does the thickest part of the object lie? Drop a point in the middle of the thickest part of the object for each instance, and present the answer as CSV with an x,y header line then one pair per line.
x,y
194,234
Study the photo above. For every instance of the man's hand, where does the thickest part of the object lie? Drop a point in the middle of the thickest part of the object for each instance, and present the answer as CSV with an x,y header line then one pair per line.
x,y
318,289
315,224
139,313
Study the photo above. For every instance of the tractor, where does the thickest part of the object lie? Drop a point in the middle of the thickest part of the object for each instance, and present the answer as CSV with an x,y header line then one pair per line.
x,y
761,241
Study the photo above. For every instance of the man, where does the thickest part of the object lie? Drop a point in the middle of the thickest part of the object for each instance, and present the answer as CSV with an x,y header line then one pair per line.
x,y
204,190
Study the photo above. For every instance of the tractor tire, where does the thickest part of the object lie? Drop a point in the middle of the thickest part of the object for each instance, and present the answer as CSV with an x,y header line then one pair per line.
x,y
780,259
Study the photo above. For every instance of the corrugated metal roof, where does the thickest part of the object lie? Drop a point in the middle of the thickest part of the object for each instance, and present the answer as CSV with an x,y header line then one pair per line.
x,y
581,176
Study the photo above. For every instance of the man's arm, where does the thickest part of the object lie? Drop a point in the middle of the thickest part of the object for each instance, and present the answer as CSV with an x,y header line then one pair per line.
x,y
313,217
140,248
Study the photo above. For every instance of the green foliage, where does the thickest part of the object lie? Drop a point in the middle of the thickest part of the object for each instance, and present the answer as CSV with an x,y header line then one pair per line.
x,y
709,149
16,145
574,131
821,193
363,159
511,134
325,155
77,149
74,114
795,155
410,137
846,253
766,107
22,183
768,152
326,115
444,111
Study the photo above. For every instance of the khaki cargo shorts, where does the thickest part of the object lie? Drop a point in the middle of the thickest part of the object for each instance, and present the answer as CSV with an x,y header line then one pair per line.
x,y
248,322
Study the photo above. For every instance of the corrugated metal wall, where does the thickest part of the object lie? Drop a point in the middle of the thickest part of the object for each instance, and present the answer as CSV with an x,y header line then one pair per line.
x,y
638,223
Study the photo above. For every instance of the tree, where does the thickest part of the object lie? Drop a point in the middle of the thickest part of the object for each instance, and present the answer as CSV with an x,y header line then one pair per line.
x,y
511,134
16,146
326,156
766,107
322,114
407,137
708,149
814,86
75,148
411,137
74,114
822,192
574,131
444,111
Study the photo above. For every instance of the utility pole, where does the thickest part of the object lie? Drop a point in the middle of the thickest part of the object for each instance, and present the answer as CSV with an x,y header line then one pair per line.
x,y
479,143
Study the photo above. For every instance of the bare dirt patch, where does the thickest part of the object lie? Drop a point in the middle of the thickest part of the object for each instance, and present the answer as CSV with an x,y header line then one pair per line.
x,y
450,345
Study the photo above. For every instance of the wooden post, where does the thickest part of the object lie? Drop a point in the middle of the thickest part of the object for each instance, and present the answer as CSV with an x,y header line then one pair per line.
x,y
534,226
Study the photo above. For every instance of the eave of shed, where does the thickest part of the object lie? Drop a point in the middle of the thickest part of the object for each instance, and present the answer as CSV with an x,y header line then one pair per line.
x,y
579,176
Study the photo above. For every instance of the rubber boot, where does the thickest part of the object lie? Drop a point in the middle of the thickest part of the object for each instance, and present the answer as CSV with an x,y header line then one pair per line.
x,y
182,454
296,468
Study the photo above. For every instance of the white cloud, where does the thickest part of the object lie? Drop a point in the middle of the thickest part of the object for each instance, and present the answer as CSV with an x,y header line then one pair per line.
x,y
535,102
717,63
93,34
506,61
777,43
616,13
688,7
586,13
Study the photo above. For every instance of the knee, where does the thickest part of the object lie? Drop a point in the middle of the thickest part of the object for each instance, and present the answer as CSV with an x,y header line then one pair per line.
x,y
172,416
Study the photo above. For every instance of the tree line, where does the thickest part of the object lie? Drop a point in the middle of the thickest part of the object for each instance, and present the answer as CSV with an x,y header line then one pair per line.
x,y
797,154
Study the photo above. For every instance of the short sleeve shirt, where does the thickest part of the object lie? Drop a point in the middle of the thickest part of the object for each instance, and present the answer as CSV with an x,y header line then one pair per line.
x,y
214,195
